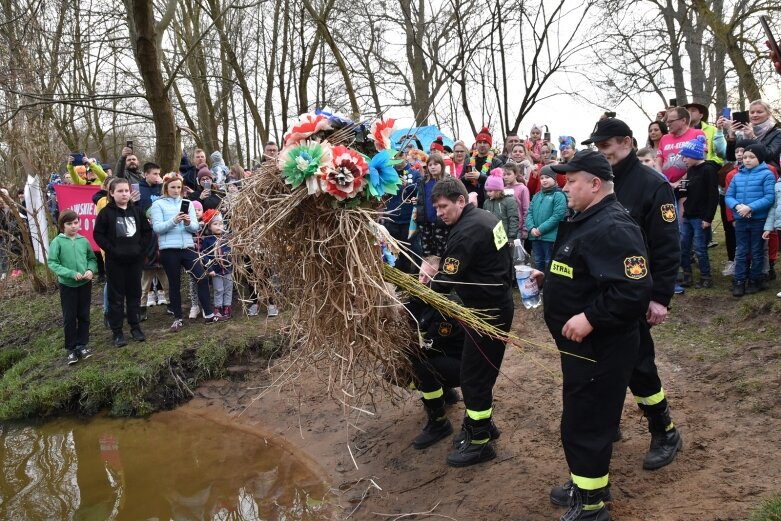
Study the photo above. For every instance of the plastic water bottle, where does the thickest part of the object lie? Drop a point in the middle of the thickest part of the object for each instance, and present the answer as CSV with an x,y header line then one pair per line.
x,y
530,292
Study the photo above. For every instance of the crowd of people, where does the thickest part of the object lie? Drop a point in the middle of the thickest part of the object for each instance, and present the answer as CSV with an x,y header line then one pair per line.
x,y
615,230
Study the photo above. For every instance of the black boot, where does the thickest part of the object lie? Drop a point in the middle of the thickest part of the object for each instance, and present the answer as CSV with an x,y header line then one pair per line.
x,y
476,447
437,427
752,287
451,396
459,438
665,440
704,283
587,505
562,494
686,281
771,275
738,289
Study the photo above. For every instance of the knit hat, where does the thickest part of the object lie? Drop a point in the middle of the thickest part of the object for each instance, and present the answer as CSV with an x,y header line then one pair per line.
x,y
548,171
208,215
694,149
759,150
484,135
197,205
438,144
203,171
495,180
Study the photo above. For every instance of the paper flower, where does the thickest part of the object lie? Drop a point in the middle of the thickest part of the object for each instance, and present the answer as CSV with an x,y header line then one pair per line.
x,y
383,178
380,132
307,125
347,174
305,162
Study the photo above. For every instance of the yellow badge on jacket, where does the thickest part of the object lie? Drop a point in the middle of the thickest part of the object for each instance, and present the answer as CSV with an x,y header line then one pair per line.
x,y
500,236
635,267
445,328
668,212
450,266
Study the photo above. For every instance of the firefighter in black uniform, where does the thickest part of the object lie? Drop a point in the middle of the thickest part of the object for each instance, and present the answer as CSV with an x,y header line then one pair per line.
x,y
597,290
437,366
651,203
478,256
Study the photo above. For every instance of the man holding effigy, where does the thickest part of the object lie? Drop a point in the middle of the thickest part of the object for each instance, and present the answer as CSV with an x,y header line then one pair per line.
x,y
477,264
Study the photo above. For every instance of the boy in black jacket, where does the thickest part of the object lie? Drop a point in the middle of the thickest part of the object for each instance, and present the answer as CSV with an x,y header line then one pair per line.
x,y
699,207
123,232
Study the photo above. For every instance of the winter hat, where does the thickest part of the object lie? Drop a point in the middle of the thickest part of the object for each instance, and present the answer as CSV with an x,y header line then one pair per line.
x,y
203,171
438,145
743,143
548,172
217,157
694,149
484,135
208,215
495,180
759,150
197,205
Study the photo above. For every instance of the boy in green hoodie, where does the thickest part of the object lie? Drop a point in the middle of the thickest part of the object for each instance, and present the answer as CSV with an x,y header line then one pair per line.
x,y
72,259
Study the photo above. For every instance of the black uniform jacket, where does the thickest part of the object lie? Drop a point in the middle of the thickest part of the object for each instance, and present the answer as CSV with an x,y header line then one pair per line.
x,y
599,267
479,256
445,333
651,203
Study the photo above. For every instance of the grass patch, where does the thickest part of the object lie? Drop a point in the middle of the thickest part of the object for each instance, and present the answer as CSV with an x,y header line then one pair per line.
x,y
770,510
35,380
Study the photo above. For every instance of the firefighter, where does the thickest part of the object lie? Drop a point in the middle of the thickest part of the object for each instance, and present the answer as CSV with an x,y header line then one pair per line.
x,y
478,258
597,290
651,203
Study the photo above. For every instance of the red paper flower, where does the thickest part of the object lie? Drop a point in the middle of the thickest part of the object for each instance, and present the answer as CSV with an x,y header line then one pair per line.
x,y
347,177
380,132
307,125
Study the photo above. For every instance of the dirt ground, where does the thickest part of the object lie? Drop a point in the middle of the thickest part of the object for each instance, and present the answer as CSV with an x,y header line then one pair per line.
x,y
720,364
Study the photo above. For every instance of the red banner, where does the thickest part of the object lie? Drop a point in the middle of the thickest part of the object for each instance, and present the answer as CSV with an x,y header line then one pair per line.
x,y
79,199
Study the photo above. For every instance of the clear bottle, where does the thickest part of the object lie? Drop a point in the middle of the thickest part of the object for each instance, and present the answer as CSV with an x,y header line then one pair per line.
x,y
530,292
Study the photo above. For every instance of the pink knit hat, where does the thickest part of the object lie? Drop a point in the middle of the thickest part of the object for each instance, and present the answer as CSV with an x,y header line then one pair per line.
x,y
495,180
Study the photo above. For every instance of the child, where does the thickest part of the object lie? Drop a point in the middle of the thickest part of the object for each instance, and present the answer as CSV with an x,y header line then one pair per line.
x,y
123,232
547,210
433,232
750,196
192,284
699,208
502,206
153,269
218,263
534,143
647,156
511,173
72,259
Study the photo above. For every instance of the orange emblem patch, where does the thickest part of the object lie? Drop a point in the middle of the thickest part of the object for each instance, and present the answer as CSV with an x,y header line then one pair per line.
x,y
668,212
444,329
450,266
635,267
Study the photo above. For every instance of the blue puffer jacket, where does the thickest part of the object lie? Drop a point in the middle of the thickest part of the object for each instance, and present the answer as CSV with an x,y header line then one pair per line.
x,y
173,235
753,187
773,221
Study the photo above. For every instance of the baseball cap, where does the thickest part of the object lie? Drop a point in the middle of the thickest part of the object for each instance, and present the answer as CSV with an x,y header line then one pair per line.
x,y
589,161
607,128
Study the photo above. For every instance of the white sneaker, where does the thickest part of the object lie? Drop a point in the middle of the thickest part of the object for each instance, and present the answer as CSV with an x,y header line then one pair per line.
x,y
177,325
729,269
194,312
253,310
161,298
151,300
272,310
778,294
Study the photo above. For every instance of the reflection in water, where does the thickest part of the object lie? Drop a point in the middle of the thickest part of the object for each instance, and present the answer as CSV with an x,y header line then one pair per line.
x,y
171,466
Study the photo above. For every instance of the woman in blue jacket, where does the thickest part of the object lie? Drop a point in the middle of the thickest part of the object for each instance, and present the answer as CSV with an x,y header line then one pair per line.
x,y
750,196
177,248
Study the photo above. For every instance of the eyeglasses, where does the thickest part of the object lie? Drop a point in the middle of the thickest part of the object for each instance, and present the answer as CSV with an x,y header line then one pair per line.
x,y
671,120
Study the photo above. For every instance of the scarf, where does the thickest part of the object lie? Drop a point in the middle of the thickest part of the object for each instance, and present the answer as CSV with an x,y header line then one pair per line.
x,y
763,128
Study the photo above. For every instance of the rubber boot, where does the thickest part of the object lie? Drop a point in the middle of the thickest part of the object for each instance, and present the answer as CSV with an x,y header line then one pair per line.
x,y
666,441
686,281
459,438
587,505
437,427
476,448
562,494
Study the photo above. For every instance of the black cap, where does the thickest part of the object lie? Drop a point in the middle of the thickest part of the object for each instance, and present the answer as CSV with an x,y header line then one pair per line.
x,y
607,128
588,161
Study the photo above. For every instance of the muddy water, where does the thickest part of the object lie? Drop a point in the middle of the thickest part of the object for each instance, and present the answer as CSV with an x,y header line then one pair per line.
x,y
172,466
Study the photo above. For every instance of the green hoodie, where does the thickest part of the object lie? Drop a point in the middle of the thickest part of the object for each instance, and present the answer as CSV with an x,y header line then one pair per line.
x,y
67,257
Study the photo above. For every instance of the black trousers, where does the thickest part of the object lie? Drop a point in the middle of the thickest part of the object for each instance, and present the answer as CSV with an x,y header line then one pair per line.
x,y
437,371
124,289
173,260
729,230
481,360
593,397
75,314
645,382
